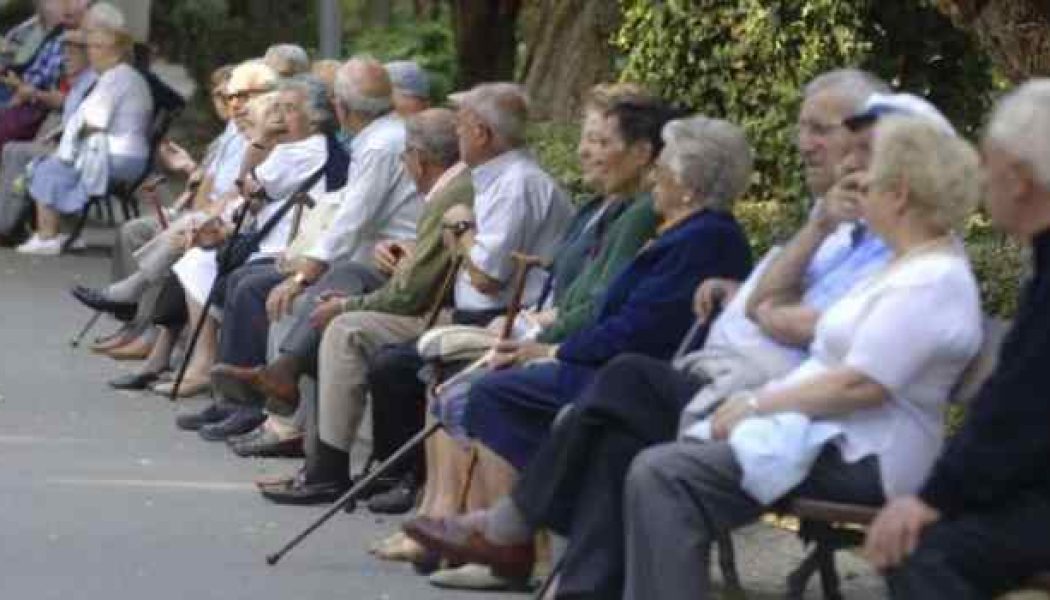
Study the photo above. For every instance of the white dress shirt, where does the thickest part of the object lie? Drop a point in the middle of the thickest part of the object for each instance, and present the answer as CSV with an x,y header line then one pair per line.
x,y
518,208
379,201
281,174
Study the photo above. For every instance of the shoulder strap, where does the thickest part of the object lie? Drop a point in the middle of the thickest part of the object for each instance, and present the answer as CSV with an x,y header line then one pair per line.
x,y
272,222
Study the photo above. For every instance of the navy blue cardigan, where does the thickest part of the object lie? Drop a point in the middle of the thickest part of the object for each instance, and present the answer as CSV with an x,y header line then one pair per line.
x,y
648,307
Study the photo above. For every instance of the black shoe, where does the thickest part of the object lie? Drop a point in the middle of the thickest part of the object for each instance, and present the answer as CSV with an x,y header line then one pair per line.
x,y
300,492
397,500
267,444
97,300
243,420
133,381
214,413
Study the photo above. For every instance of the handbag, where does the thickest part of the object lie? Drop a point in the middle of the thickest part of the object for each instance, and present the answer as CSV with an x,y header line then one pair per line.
x,y
237,249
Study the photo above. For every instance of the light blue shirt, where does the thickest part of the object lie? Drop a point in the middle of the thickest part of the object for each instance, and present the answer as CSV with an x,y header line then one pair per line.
x,y
225,160
379,200
518,208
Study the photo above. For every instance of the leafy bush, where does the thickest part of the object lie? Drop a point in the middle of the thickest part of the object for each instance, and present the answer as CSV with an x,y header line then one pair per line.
x,y
555,148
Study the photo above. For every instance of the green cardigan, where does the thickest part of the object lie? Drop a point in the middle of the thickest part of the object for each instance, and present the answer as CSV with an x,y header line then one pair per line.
x,y
410,291
578,307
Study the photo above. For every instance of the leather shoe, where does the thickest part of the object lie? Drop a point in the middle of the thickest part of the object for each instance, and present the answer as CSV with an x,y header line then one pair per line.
x,y
133,381
243,420
97,300
459,543
259,380
268,444
395,501
136,349
214,413
231,382
299,492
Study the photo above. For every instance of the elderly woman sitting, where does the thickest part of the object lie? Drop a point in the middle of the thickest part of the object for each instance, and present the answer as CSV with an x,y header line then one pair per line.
x,y
105,141
864,416
704,166
290,132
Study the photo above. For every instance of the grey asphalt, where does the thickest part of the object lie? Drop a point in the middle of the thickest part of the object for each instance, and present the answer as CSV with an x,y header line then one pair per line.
x,y
102,498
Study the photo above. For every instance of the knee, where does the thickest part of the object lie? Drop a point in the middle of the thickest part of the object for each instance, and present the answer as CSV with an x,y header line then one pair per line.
x,y
648,472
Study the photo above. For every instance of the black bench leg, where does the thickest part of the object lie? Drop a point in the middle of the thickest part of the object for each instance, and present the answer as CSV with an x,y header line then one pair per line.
x,y
78,229
821,558
727,563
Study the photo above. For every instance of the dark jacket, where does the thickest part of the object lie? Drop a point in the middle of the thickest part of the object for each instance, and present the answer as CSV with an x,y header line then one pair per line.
x,y
648,307
1003,449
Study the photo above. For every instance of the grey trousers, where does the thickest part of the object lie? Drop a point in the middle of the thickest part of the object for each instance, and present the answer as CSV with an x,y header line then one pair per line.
x,y
131,236
679,497
16,157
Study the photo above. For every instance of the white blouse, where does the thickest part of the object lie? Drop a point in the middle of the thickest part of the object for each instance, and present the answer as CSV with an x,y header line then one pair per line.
x,y
913,328
122,106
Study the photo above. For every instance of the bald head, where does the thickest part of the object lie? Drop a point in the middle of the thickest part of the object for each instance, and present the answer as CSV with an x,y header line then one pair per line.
x,y
362,86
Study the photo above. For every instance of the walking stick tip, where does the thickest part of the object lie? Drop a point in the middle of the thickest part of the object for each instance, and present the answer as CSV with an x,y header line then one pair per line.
x,y
272,559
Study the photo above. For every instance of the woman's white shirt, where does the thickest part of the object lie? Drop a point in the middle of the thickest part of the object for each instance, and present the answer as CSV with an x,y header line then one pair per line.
x,y
122,106
281,174
913,328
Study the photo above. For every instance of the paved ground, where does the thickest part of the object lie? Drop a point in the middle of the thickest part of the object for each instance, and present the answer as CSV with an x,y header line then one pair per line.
x,y
101,498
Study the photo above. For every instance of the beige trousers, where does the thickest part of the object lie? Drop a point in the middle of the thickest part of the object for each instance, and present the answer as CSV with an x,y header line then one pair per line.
x,y
350,342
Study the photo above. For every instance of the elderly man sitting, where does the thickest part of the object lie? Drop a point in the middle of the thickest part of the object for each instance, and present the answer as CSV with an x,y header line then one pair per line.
x,y
379,203
979,524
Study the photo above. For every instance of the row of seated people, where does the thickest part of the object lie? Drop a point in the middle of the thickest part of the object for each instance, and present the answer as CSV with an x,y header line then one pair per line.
x,y
806,353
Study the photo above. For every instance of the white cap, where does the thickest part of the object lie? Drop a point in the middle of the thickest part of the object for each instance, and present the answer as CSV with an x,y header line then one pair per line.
x,y
880,105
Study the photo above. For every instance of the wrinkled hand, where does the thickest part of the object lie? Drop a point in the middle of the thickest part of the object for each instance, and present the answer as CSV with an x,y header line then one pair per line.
x,y
209,234
895,533
176,158
842,202
508,353
279,302
735,409
329,306
388,254
712,293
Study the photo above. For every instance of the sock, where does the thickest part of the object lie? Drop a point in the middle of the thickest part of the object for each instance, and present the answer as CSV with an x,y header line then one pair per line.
x,y
505,525
328,463
128,289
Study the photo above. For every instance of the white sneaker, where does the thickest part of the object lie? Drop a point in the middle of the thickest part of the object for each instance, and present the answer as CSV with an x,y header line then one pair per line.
x,y
38,246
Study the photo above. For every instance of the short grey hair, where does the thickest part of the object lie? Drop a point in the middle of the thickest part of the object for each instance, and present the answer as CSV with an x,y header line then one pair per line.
x,y
502,106
710,157
1020,124
316,104
940,170
434,132
287,59
348,92
855,85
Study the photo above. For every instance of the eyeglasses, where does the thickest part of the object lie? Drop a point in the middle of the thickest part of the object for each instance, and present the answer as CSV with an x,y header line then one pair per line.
x,y
245,95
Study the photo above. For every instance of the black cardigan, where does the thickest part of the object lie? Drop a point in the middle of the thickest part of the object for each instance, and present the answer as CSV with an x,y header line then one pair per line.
x,y
1003,449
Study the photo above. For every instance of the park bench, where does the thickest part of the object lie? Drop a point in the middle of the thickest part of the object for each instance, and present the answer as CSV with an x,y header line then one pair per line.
x,y
834,526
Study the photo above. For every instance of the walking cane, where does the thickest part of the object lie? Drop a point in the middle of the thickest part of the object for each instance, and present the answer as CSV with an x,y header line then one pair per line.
x,y
523,264
198,327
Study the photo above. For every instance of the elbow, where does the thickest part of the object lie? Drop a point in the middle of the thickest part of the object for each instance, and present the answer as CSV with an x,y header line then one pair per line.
x,y
864,391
